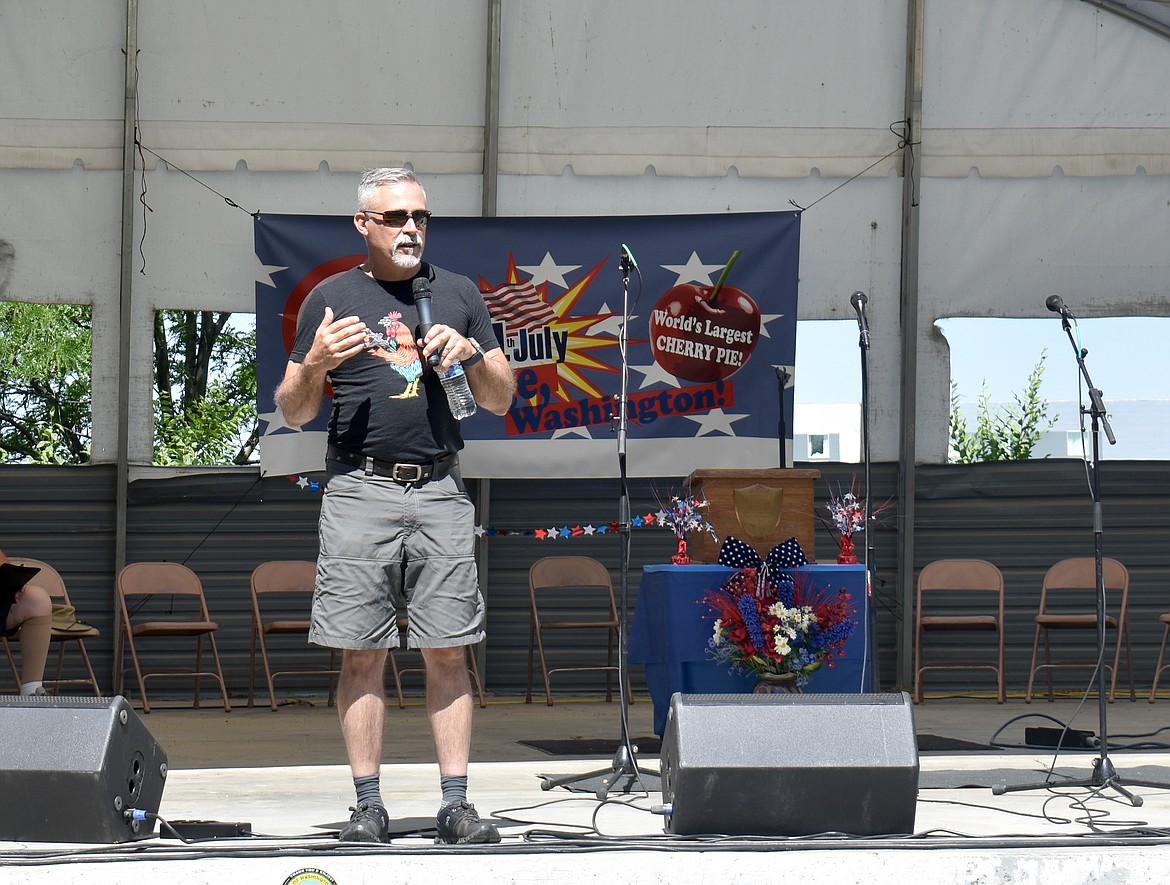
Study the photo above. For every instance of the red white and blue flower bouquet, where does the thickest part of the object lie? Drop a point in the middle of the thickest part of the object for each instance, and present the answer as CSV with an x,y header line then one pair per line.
x,y
772,624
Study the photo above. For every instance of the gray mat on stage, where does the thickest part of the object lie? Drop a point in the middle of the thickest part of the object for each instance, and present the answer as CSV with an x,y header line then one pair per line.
x,y
1014,777
933,743
587,747
651,746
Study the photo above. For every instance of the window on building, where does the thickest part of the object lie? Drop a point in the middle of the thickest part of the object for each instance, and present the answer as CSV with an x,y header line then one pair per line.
x,y
827,391
46,380
1123,356
204,388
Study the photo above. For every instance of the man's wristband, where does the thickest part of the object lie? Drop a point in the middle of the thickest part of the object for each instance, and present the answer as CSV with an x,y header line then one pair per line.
x,y
475,357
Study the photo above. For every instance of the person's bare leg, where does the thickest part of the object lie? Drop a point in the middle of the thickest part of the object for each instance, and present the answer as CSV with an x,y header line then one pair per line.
x,y
32,610
449,707
361,708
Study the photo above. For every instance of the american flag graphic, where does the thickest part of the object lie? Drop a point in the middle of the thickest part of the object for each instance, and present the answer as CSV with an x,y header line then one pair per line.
x,y
519,306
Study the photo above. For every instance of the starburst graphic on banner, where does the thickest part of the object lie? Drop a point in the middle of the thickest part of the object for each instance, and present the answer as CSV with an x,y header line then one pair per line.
x,y
525,308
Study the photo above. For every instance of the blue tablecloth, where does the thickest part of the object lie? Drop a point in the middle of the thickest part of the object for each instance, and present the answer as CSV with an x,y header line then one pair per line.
x,y
672,626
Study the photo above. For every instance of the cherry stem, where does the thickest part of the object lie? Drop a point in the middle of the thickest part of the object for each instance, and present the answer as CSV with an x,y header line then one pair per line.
x,y
723,276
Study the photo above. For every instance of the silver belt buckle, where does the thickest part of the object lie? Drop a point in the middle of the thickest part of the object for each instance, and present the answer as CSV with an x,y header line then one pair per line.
x,y
406,473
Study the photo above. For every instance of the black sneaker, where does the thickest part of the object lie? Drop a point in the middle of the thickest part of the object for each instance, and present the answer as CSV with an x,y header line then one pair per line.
x,y
459,823
368,823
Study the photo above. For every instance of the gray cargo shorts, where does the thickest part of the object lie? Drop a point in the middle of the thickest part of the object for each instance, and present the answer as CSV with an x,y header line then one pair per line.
x,y
386,547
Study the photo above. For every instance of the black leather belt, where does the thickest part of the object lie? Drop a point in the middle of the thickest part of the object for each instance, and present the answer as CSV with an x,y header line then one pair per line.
x,y
402,472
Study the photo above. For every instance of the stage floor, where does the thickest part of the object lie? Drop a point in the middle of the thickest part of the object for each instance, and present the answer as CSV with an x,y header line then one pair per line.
x,y
283,775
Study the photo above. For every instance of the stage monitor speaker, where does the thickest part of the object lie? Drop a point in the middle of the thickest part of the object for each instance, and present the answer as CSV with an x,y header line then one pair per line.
x,y
73,768
789,764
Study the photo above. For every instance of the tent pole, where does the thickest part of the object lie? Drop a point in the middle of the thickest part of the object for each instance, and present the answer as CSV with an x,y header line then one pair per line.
x,y
125,313
908,305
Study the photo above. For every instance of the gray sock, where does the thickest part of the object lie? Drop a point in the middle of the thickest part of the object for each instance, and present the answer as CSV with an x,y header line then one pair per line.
x,y
454,788
369,790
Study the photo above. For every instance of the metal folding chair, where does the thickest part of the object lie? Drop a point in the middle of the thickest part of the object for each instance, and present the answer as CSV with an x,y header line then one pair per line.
x,y
62,636
560,589
1068,601
946,602
165,600
282,591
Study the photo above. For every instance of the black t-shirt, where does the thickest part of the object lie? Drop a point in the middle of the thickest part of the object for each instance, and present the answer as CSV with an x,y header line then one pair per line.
x,y
386,403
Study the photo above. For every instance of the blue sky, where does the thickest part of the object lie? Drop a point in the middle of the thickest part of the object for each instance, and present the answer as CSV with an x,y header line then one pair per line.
x,y
1126,356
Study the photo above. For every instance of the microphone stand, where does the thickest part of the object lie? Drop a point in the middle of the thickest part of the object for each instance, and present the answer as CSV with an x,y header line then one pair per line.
x,y
870,633
623,775
1104,774
782,378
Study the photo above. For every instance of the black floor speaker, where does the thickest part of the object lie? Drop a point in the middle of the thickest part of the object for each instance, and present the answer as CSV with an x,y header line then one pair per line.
x,y
77,770
789,764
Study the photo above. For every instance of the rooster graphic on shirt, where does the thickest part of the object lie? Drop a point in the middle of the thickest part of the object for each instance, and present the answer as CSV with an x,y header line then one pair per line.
x,y
397,347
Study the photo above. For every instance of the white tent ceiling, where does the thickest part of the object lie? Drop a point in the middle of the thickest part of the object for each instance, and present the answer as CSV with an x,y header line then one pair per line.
x,y
1044,150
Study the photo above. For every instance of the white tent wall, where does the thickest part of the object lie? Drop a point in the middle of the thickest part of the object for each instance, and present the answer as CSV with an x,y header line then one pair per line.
x,y
1046,169
606,107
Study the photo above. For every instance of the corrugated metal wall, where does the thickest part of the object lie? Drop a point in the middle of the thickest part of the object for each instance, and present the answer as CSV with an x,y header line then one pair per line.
x,y
1021,516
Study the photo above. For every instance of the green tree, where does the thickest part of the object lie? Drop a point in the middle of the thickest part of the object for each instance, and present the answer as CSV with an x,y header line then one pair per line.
x,y
1008,433
204,374
45,383
205,389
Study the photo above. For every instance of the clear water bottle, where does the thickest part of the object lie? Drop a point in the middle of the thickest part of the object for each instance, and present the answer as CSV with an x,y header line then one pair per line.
x,y
459,396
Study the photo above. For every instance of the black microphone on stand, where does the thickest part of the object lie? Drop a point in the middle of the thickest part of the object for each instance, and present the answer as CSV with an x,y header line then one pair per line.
x,y
627,260
1056,304
421,288
858,300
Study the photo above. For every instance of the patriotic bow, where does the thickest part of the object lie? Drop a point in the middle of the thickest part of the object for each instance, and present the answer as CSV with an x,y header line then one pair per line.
x,y
735,553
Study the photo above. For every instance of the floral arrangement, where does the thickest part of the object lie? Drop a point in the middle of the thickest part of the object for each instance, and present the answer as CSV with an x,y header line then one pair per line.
x,y
848,513
767,622
682,516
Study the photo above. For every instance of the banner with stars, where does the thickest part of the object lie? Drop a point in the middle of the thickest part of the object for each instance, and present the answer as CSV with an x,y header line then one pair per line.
x,y
706,311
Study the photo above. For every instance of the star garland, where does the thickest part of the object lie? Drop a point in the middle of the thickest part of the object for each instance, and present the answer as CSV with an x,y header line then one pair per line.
x,y
566,532
659,520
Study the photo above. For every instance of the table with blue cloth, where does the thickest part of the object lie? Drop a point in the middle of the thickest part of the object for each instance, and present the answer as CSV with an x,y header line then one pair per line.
x,y
672,626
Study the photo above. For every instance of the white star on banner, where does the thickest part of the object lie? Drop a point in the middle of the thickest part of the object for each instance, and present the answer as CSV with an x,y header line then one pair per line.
x,y
714,421
653,374
766,318
264,272
552,533
609,326
572,431
694,271
303,482
275,421
548,271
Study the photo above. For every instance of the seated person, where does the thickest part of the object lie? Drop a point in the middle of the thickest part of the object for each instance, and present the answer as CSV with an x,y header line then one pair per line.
x,y
29,616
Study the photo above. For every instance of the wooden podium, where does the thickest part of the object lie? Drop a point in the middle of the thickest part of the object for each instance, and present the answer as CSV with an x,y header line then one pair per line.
x,y
762,507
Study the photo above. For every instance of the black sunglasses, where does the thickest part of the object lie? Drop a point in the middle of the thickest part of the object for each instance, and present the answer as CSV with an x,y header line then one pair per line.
x,y
399,217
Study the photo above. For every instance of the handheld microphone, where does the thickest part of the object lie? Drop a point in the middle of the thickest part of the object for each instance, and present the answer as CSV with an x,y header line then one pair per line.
x,y
858,300
421,289
627,260
1056,304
